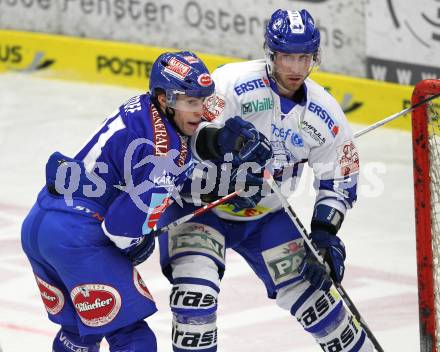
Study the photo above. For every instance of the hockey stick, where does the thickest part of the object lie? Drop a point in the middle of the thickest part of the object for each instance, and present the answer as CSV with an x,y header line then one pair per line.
x,y
197,212
348,302
394,116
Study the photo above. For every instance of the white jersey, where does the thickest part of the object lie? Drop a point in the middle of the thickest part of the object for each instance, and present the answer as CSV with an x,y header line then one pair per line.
x,y
314,131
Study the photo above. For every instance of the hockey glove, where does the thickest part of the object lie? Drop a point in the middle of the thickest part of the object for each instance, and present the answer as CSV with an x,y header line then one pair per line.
x,y
333,251
247,181
246,144
254,180
140,252
325,224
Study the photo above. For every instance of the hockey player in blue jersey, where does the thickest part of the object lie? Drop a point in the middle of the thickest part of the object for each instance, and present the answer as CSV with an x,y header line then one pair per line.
x,y
92,221
304,125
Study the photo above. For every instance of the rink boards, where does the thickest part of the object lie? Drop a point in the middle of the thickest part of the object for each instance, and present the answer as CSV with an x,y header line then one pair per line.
x,y
126,64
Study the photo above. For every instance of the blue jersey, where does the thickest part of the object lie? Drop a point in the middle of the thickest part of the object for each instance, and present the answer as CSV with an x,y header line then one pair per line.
x,y
134,164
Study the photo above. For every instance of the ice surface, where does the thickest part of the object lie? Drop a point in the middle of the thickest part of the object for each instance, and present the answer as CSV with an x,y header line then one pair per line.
x,y
39,116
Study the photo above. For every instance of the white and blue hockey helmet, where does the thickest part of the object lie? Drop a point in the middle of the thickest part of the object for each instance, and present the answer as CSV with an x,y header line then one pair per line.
x,y
292,32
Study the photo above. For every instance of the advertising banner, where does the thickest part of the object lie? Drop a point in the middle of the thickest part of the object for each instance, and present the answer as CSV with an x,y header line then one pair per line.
x,y
226,27
54,56
403,40
363,101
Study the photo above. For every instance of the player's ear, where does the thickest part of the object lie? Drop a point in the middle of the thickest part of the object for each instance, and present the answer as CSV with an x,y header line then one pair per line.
x,y
161,98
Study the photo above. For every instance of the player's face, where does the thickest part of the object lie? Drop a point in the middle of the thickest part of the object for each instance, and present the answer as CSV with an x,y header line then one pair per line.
x,y
188,113
291,70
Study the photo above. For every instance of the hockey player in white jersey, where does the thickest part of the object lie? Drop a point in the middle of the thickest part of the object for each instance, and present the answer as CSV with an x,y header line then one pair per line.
x,y
304,125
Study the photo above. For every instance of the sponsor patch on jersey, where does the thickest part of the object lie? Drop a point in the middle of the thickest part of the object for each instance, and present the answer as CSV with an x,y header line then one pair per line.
x,y
213,106
313,132
161,141
140,285
287,133
325,117
96,304
192,237
282,261
256,106
348,158
177,68
204,80
52,296
251,85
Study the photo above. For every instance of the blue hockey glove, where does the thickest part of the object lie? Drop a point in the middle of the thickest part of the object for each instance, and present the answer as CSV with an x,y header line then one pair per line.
x,y
246,144
326,222
140,252
333,251
251,180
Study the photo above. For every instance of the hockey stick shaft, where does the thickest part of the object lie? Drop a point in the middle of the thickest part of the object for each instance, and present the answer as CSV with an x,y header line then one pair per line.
x,y
224,199
394,116
195,213
296,221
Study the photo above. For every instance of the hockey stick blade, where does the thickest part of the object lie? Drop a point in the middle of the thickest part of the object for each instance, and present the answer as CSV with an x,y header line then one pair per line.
x,y
296,221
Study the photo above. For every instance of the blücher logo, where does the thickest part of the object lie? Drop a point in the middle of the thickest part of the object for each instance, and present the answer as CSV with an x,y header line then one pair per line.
x,y
96,304
140,285
52,297
256,106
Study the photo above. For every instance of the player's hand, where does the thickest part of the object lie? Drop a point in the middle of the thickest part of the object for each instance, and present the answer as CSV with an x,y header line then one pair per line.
x,y
254,180
246,144
333,250
247,181
140,252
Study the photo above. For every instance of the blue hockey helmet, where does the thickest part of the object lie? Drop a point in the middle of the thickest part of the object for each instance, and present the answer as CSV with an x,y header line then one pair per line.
x,y
180,73
292,32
